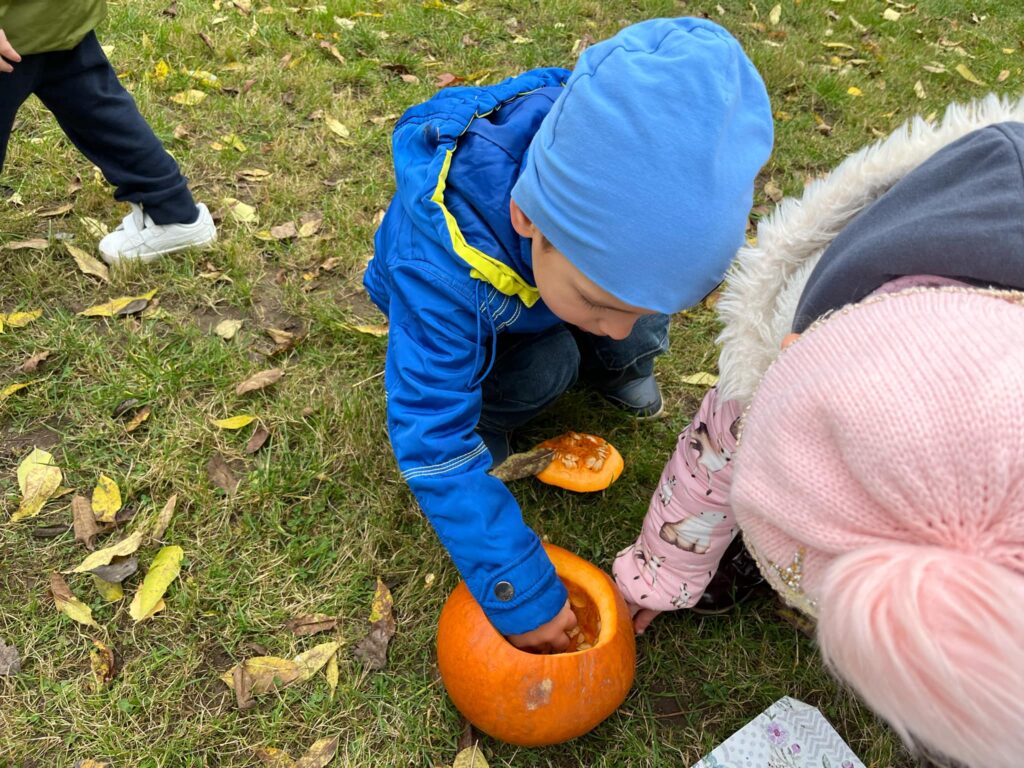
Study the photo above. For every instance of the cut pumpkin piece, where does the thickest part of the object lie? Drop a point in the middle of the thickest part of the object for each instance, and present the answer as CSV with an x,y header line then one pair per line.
x,y
581,463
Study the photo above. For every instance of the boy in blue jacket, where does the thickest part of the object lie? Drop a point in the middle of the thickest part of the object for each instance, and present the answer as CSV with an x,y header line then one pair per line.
x,y
542,230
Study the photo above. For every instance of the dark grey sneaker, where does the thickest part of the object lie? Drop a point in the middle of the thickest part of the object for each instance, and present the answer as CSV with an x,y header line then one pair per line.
x,y
640,398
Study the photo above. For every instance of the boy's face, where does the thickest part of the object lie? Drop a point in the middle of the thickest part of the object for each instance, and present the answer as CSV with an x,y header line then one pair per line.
x,y
570,294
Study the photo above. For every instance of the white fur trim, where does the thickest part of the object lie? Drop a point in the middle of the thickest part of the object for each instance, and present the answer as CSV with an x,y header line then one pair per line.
x,y
766,280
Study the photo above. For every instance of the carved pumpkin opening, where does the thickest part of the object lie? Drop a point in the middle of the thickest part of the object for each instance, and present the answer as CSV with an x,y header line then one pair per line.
x,y
587,632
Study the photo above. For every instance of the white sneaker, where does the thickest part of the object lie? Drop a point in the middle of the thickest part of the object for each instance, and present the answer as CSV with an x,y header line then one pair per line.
x,y
139,239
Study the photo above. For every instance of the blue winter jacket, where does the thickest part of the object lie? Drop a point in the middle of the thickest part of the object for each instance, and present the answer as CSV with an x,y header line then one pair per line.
x,y
450,273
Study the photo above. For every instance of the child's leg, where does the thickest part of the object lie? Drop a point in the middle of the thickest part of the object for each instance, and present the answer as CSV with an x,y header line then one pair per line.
x,y
623,370
529,373
15,88
96,112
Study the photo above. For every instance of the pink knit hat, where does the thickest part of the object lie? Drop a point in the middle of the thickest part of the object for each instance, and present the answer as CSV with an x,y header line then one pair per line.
x,y
879,482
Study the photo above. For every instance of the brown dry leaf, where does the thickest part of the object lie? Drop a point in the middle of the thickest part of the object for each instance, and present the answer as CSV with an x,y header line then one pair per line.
x,y
320,754
409,78
286,231
35,244
227,329
88,263
243,687
259,437
60,210
447,78
32,363
279,336
68,604
310,624
274,757
310,223
84,521
10,661
333,51
104,665
140,416
164,518
373,649
522,465
260,380
267,673
119,569
773,191
220,474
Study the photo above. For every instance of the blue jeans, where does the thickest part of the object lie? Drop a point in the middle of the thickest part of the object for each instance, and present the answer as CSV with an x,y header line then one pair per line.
x,y
532,370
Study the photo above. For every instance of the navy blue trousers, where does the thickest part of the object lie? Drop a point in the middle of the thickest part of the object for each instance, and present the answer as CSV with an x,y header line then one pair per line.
x,y
99,116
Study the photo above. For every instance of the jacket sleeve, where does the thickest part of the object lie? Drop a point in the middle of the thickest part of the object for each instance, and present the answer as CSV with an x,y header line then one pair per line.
x,y
689,523
434,355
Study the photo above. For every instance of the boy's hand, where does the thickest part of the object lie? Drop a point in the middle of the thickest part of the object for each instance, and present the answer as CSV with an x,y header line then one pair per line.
x,y
7,52
550,637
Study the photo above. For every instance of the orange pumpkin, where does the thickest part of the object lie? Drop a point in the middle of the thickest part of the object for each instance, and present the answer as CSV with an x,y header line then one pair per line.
x,y
581,463
531,699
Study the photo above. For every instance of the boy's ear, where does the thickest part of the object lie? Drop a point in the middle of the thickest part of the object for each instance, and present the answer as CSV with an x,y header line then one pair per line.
x,y
520,221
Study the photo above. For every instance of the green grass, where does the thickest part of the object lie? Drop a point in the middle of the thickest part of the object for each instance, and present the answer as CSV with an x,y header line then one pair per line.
x,y
321,511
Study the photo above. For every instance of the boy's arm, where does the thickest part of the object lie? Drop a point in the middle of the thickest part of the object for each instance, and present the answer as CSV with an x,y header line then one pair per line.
x,y
7,52
689,523
433,410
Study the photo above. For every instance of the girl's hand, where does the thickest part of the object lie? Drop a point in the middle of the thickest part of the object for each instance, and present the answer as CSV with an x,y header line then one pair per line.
x,y
550,637
7,52
642,618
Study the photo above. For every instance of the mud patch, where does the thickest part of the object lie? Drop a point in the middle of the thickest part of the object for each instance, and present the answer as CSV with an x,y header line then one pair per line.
x,y
15,443
539,695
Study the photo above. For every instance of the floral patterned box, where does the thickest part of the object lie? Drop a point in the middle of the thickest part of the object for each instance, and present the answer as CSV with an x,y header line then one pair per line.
x,y
789,734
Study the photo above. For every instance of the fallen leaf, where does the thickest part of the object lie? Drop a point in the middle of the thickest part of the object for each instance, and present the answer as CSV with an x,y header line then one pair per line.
x,y
10,389
119,569
254,174
409,78
522,465
88,264
103,664
50,531
220,474
189,98
286,231
312,661
309,224
891,14
125,546
332,674
700,379
259,437
967,75
84,521
124,407
274,757
32,363
95,228
1003,75
230,141
333,51
35,244
243,688
106,499
10,660
259,381
320,754
120,306
470,758
59,210
337,127
227,329
68,604
86,763
268,673
234,422
240,212
164,518
446,79
373,649
775,15
919,90
20,319
110,591
372,330
162,571
136,421
310,624
854,91
773,191
38,478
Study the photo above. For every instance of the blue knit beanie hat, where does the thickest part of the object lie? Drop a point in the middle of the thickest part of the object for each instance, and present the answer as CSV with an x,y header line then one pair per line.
x,y
642,174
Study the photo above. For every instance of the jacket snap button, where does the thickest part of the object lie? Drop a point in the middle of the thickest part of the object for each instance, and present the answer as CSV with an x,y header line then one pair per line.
x,y
504,591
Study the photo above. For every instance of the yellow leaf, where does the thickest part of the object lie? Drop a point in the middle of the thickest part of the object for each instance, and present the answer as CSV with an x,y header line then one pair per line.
x,y
312,661
891,14
161,71
125,546
227,329
205,78
268,673
1009,50
241,212
1003,74
231,141
967,75
854,91
919,90
110,591
372,330
272,757
319,754
101,659
93,227
701,379
234,422
337,127
114,306
163,570
38,478
12,388
470,757
331,673
106,499
21,319
189,98
88,264
382,604
775,15
68,604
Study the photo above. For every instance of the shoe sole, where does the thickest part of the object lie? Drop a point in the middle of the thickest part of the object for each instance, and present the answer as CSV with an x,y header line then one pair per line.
x,y
150,256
